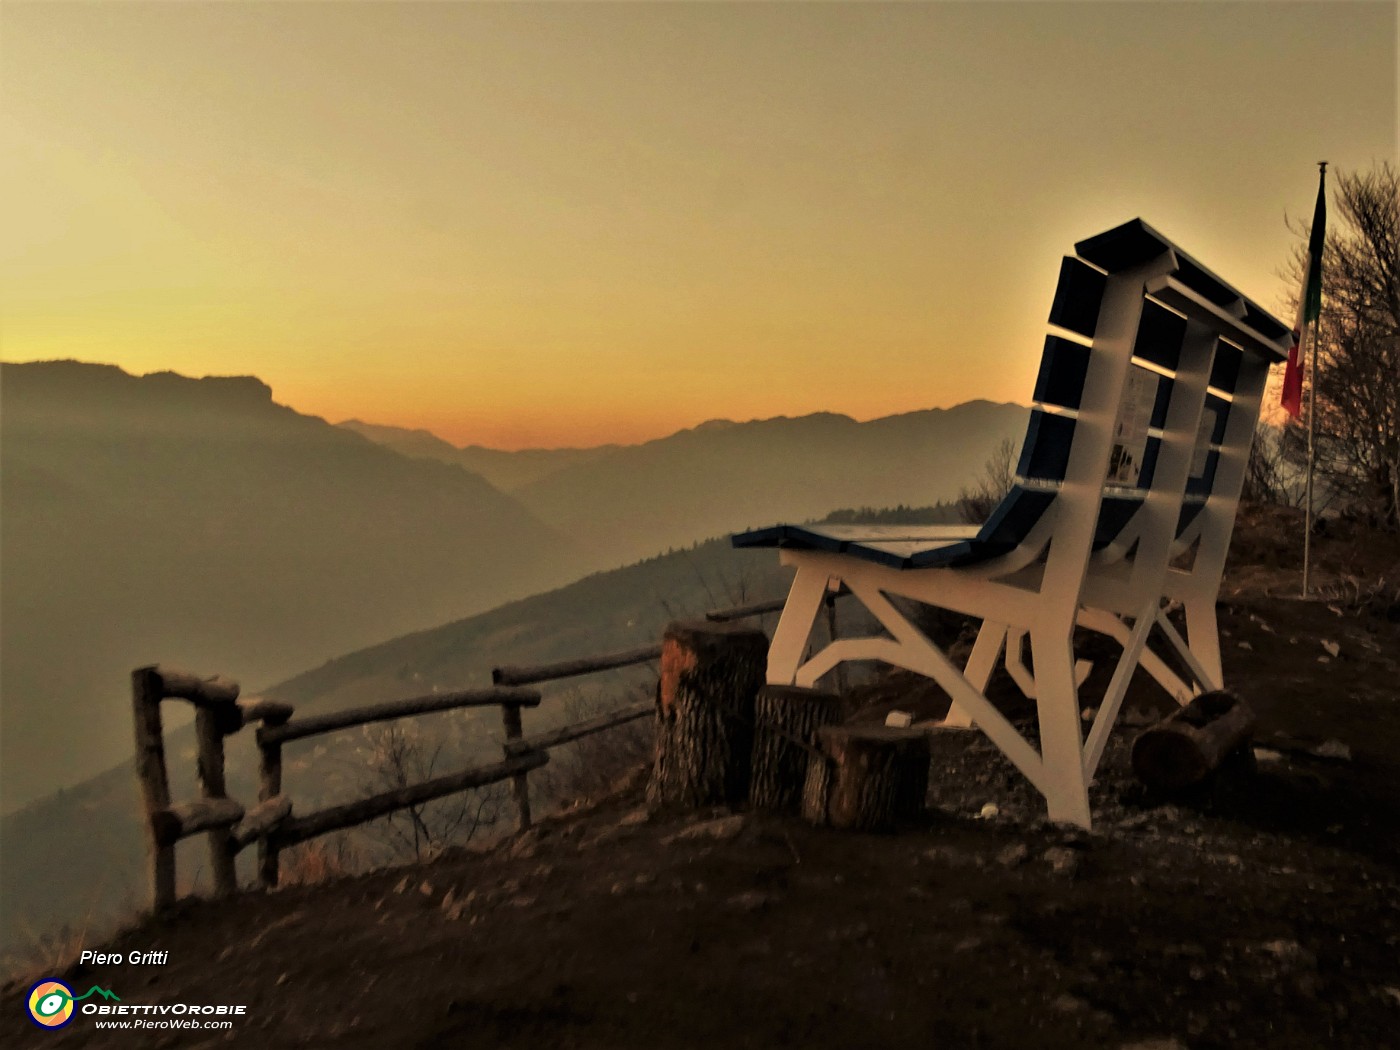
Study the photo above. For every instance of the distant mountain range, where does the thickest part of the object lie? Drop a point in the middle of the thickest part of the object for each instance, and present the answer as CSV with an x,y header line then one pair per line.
x,y
196,522
625,503
506,470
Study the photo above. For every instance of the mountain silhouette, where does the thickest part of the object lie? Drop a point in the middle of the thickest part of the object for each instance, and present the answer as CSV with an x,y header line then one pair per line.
x,y
197,522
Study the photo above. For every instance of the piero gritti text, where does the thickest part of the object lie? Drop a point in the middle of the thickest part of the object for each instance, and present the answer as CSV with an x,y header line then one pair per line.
x,y
135,958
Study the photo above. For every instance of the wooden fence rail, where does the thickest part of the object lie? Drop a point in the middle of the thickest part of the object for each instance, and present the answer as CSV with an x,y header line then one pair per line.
x,y
270,824
570,668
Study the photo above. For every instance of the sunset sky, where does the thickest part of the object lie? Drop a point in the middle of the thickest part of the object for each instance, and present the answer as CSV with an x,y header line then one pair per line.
x,y
571,223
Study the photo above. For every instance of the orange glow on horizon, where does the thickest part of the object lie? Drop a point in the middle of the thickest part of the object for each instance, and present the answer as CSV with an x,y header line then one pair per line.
x,y
548,225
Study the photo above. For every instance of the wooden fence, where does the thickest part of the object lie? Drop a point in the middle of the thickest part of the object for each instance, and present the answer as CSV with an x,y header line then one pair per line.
x,y
270,824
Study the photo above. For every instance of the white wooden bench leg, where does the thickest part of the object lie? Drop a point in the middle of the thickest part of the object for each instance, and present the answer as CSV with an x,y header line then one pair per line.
x,y
980,664
788,650
1203,636
1061,739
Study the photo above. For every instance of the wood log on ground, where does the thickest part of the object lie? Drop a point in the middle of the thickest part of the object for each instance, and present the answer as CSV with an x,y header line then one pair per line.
x,y
710,675
786,720
871,778
1185,748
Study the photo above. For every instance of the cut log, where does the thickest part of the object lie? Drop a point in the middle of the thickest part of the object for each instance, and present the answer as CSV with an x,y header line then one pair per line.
x,y
1181,751
710,675
870,778
786,720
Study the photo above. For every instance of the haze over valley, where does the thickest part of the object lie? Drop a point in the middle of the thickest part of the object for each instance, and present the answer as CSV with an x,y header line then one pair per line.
x,y
198,522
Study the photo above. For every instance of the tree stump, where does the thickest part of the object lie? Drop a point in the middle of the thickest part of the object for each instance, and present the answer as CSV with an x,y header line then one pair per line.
x,y
1182,750
872,778
710,674
783,716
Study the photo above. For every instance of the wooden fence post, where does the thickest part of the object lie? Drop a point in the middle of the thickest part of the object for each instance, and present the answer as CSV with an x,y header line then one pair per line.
x,y
710,674
209,732
269,786
510,716
146,693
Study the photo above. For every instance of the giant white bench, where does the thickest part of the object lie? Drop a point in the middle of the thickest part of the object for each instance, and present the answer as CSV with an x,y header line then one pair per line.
x,y
1143,413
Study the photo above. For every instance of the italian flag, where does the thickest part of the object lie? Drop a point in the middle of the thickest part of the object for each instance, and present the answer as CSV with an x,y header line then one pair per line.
x,y
1309,304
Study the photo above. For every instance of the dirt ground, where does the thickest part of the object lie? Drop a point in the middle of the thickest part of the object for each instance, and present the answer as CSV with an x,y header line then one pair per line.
x,y
1261,911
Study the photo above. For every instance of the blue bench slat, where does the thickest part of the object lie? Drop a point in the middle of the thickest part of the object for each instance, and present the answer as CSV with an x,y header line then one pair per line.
x,y
1149,463
1221,408
1263,322
1189,511
1013,518
1045,452
1161,404
1114,514
1078,296
1063,366
1159,336
1203,485
1203,282
1122,247
786,536
1225,372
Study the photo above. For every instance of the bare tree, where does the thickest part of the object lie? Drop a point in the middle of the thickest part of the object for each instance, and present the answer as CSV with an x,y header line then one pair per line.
x,y
998,475
399,756
1357,381
1272,475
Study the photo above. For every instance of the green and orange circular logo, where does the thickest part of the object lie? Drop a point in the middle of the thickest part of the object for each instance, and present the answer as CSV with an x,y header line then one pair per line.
x,y
51,1004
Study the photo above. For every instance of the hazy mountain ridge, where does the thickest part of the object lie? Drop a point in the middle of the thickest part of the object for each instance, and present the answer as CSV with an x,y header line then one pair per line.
x,y
197,521
715,479
506,470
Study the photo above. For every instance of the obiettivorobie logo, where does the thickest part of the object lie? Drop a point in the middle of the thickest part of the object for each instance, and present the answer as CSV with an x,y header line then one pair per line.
x,y
51,1002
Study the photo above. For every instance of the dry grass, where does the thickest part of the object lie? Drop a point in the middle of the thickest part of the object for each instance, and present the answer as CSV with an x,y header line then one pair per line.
x,y
46,952
328,857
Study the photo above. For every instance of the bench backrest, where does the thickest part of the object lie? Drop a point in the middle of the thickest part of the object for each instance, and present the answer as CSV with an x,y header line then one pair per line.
x,y
1148,353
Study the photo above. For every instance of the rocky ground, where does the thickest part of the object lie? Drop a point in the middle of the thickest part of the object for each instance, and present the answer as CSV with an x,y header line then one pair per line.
x,y
1261,911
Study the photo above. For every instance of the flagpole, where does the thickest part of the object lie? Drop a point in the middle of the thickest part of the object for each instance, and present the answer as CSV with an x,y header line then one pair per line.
x,y
1312,425
1312,409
